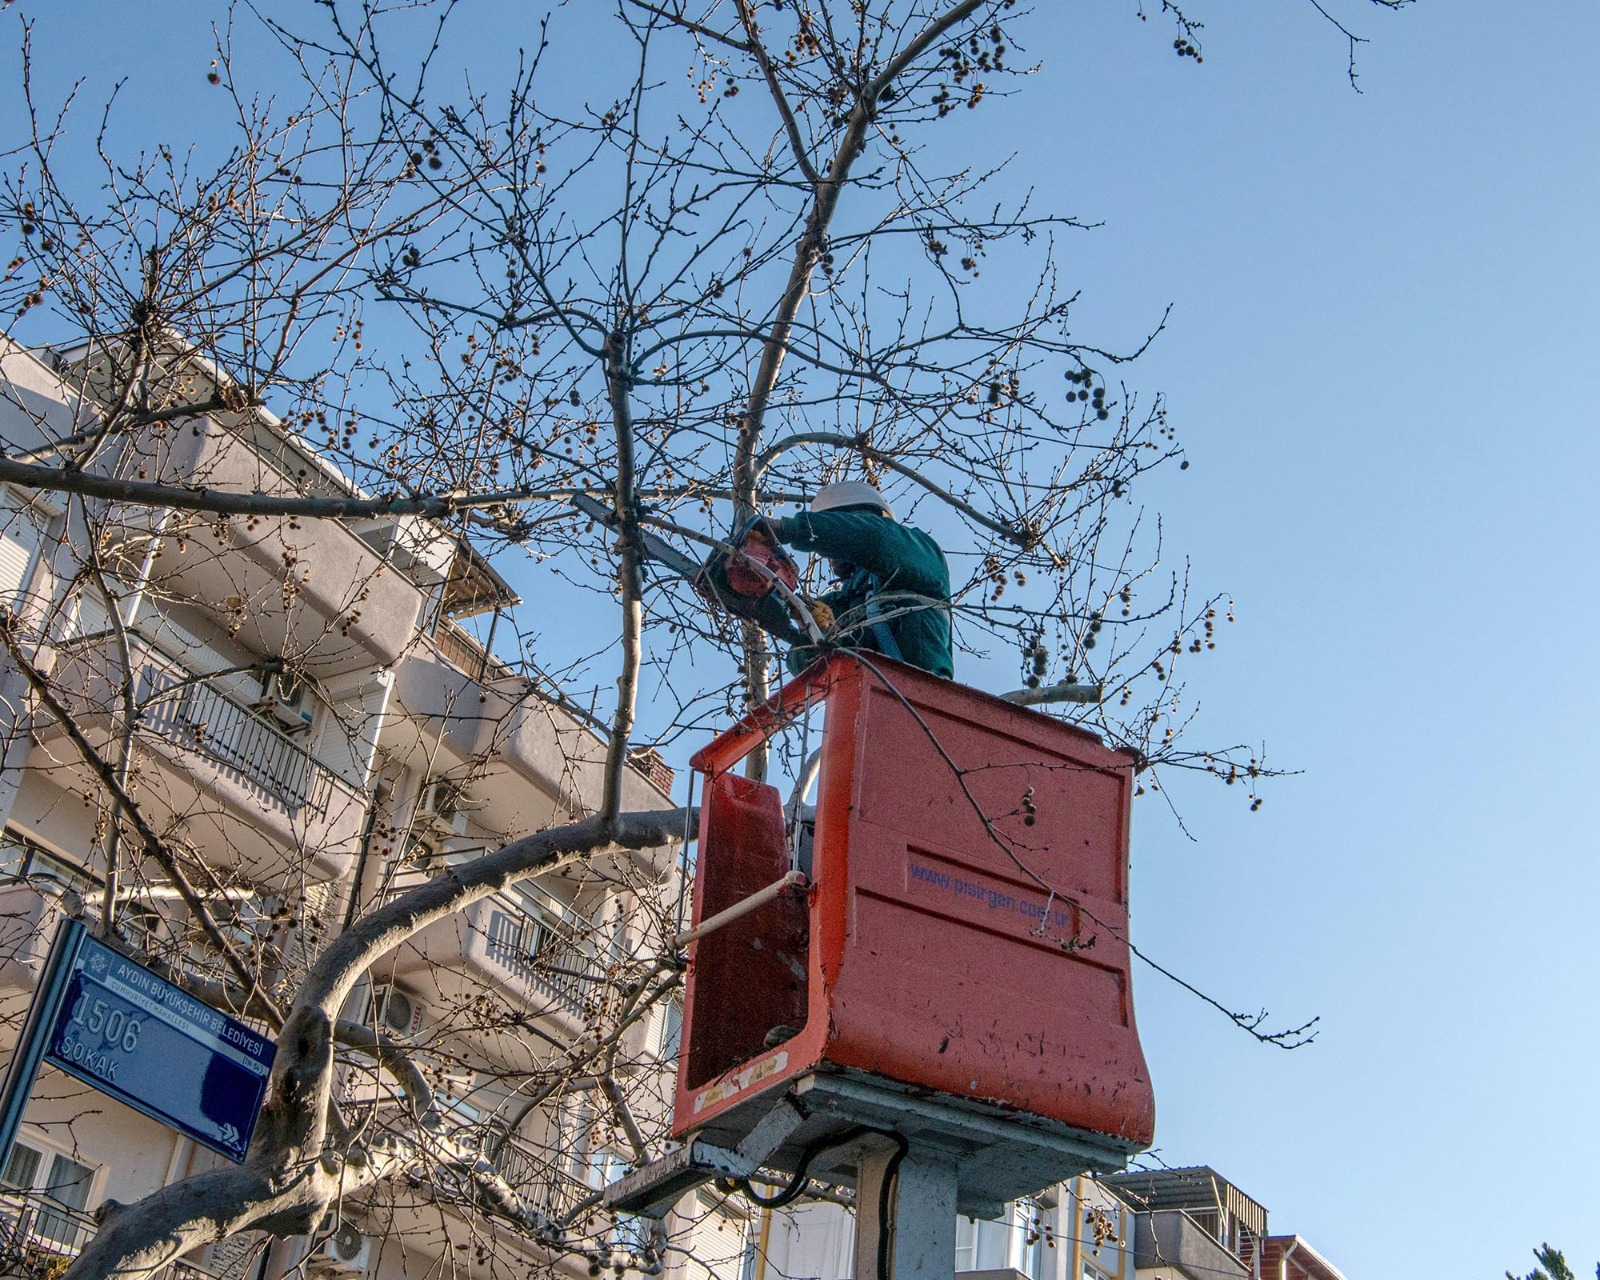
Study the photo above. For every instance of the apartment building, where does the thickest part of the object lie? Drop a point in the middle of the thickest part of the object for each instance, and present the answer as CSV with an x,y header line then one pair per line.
x,y
1167,1224
312,716
1193,1224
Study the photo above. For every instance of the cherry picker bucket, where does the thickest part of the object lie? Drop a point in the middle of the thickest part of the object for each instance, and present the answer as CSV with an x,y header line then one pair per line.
x,y
961,944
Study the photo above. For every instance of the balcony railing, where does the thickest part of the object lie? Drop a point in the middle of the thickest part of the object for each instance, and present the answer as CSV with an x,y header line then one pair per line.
x,y
464,651
547,944
536,936
39,1236
538,1176
554,1179
36,1231
196,713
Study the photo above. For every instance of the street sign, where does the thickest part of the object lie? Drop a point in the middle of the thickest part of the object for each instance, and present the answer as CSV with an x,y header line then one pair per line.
x,y
124,1030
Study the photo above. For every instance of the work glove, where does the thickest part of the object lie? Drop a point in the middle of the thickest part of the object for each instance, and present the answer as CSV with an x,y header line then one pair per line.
x,y
764,531
821,614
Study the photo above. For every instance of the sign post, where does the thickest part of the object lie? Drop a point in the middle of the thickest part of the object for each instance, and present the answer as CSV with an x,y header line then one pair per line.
x,y
23,1068
130,1033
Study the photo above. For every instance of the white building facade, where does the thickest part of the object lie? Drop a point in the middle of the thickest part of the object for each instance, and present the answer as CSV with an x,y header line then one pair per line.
x,y
311,715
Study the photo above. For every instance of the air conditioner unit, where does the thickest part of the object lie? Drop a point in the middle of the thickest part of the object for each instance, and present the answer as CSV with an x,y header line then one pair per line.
x,y
445,806
288,699
347,1252
397,1011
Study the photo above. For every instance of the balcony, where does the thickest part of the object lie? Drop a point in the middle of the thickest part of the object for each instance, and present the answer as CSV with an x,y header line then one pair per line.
x,y
245,791
1171,1239
38,888
528,947
454,702
39,1236
29,913
253,752
310,587
553,1178
545,1179
545,949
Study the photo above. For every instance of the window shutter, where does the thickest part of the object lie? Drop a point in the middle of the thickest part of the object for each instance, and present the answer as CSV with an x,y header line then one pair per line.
x,y
19,540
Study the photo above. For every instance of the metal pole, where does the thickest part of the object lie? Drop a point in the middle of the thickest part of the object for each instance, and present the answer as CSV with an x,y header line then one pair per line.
x,y
488,645
36,1029
760,898
920,1214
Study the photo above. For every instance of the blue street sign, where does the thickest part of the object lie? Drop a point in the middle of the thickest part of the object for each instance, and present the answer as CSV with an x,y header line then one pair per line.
x,y
131,1034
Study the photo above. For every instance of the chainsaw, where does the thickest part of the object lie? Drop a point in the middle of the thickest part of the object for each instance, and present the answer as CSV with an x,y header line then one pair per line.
x,y
739,577
742,577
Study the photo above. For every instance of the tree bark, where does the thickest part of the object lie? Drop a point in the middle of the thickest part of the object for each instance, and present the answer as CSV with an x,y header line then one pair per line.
x,y
293,1172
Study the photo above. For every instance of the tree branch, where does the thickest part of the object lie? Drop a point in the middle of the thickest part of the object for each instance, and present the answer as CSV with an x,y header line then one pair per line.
x,y
129,809
791,126
1022,537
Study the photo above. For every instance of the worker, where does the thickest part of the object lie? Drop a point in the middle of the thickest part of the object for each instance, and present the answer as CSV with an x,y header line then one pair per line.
x,y
894,585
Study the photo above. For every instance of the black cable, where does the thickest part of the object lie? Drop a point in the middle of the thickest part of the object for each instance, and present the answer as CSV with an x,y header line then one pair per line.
x,y
888,1190
808,1153
888,1202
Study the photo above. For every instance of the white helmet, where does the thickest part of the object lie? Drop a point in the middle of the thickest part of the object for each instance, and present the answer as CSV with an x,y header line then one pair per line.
x,y
850,493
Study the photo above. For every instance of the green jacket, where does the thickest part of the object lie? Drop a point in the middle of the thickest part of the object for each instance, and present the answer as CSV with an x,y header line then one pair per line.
x,y
898,579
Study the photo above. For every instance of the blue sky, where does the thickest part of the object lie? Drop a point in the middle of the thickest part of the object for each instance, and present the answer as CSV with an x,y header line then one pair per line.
x,y
1381,358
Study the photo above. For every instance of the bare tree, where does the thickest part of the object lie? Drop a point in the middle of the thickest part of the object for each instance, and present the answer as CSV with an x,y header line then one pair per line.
x,y
407,314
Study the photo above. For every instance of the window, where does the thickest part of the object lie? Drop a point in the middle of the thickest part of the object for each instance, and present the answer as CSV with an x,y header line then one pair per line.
x,y
1038,1226
22,859
22,1170
983,1244
67,1182
671,1028
1022,1238
145,926
20,530
454,1096
54,1191
90,616
14,854
750,1256
418,863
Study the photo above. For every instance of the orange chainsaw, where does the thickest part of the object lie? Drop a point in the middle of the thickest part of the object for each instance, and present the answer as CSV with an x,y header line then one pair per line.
x,y
739,578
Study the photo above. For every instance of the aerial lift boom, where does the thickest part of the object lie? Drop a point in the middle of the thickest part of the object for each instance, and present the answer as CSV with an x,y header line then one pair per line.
x,y
925,993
